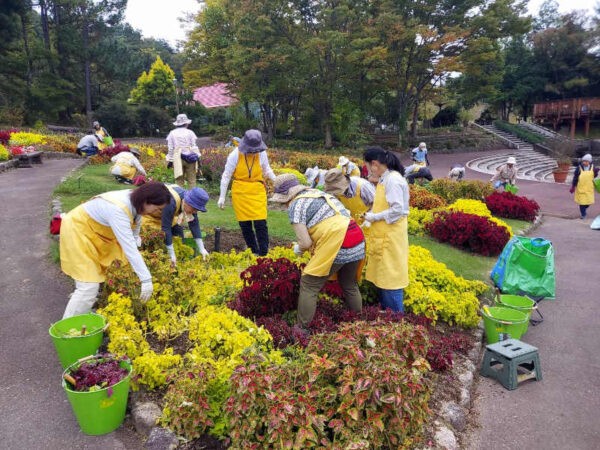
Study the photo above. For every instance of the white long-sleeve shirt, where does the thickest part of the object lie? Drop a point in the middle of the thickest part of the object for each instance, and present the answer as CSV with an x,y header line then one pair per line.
x,y
397,196
182,138
231,164
113,216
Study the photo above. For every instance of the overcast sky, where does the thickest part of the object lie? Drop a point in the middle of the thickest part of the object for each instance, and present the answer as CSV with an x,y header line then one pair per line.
x,y
159,18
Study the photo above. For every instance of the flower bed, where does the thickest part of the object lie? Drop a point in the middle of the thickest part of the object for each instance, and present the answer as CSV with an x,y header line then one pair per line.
x,y
469,232
510,206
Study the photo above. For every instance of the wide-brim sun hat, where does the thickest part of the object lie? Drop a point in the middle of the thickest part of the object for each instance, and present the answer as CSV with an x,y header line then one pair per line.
x,y
182,119
311,174
422,145
587,157
135,151
196,198
252,142
286,187
336,183
343,161
511,160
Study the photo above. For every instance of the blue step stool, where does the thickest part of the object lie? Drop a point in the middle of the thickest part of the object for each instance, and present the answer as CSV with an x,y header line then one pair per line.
x,y
519,362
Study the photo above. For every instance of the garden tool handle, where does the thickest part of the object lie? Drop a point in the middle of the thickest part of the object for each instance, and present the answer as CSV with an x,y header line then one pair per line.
x,y
70,379
105,327
498,297
86,358
503,322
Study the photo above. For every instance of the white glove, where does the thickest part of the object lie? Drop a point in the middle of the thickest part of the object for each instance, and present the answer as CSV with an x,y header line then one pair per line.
x,y
171,252
297,250
221,202
201,249
146,292
138,240
370,217
366,224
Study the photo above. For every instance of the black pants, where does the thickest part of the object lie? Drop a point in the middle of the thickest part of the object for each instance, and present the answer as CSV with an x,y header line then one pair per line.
x,y
257,238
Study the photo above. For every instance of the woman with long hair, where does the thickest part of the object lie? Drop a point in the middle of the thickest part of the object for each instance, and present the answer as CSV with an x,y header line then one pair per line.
x,y
387,245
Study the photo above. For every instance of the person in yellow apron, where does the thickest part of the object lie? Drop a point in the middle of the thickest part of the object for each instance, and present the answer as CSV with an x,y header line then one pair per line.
x,y
348,167
102,135
126,166
356,194
387,252
248,165
101,230
183,154
324,227
181,210
583,184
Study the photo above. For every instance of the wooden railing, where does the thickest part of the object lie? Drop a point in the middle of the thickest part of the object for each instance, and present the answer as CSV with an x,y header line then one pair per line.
x,y
572,108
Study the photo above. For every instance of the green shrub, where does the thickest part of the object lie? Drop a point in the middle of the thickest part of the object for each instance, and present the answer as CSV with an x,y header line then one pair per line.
x,y
453,190
4,155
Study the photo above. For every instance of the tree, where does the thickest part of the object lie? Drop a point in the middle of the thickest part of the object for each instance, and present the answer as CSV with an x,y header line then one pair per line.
x,y
155,87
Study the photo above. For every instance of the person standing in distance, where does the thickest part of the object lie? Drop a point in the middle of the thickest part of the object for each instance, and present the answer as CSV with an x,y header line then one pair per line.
x,y
183,155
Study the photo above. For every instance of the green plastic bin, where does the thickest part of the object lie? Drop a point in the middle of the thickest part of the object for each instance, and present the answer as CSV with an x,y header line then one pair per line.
x,y
102,411
518,302
511,188
72,348
503,320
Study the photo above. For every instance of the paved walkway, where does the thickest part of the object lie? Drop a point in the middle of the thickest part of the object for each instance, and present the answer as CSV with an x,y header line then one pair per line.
x,y
33,294
559,412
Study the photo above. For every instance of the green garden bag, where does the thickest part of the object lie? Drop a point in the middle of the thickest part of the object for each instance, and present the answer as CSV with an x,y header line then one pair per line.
x,y
597,184
511,188
526,266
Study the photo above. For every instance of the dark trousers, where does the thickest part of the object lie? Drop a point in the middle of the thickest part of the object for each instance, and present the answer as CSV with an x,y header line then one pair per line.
x,y
257,238
583,210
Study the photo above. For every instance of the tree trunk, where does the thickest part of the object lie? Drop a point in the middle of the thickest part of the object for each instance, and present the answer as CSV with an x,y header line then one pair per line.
x,y
328,135
46,33
415,118
26,48
86,69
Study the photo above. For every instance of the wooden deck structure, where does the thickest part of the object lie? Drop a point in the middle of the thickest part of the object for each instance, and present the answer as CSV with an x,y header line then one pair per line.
x,y
568,110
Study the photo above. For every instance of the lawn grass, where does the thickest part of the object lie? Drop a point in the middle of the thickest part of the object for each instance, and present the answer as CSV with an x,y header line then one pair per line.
x,y
95,179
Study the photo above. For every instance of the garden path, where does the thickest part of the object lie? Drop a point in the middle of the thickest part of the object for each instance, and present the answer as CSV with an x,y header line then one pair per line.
x,y
33,294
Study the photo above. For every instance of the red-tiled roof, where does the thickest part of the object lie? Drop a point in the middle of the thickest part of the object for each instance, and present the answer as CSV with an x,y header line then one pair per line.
x,y
214,96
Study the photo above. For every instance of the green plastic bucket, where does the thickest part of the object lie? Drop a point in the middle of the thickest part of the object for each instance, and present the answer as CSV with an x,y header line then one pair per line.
x,y
72,348
518,302
102,411
503,320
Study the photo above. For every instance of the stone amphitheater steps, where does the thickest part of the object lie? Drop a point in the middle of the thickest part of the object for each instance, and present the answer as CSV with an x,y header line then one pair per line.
x,y
531,165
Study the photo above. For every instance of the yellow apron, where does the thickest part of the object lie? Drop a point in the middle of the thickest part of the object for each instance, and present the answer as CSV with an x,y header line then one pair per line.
x,y
248,191
387,248
156,221
327,236
126,170
355,205
87,248
584,192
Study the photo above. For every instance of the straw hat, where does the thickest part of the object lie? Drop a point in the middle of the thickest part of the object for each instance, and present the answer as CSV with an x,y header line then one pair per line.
x,y
286,187
135,151
336,183
511,160
182,119
252,142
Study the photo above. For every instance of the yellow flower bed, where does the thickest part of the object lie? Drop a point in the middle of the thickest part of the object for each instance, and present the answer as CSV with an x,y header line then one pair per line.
x,y
437,293
22,138
478,208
